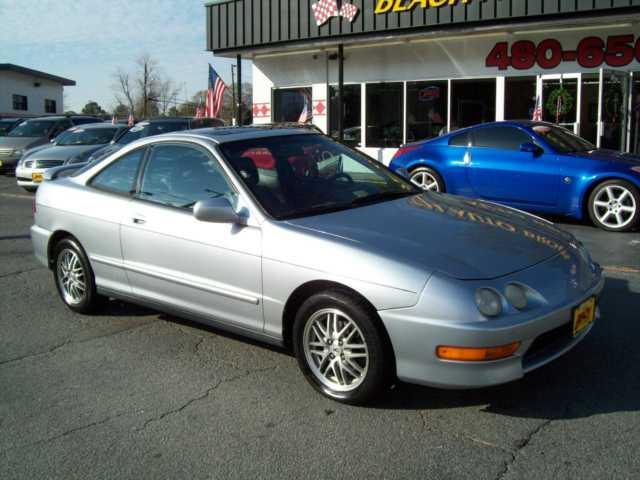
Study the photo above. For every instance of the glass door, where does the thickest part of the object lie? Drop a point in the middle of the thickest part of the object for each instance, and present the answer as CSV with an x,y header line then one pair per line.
x,y
613,114
561,100
634,138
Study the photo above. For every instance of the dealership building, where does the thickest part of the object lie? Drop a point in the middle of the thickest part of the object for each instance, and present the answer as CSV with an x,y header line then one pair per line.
x,y
380,73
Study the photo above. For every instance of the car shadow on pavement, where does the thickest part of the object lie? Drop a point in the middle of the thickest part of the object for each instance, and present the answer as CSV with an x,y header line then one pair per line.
x,y
600,375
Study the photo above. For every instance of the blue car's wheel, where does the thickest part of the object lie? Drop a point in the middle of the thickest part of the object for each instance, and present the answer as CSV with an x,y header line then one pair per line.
x,y
427,179
614,205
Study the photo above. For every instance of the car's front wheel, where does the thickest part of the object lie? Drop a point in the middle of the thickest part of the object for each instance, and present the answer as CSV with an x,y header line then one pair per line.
x,y
341,348
74,277
614,205
427,179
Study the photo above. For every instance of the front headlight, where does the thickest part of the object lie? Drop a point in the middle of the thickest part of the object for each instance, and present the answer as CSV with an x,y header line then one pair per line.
x,y
516,295
636,169
488,302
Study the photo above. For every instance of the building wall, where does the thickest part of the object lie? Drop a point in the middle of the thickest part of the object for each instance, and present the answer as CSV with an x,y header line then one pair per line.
x,y
445,58
16,83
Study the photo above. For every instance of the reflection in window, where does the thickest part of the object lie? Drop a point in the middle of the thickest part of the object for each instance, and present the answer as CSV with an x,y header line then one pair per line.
x,y
120,176
292,105
472,102
384,115
352,99
519,98
503,138
589,107
426,109
635,114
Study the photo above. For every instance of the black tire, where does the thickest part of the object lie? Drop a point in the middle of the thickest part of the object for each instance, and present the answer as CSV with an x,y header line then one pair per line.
x,y
426,172
379,365
89,300
597,209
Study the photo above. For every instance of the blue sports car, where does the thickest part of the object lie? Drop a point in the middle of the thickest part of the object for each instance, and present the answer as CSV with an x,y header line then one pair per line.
x,y
534,166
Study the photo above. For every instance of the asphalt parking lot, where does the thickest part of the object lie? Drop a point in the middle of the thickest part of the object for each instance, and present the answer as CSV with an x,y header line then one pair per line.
x,y
132,393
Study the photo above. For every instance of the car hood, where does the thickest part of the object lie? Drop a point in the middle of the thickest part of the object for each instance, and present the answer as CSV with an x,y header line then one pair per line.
x,y
612,156
462,238
58,152
21,142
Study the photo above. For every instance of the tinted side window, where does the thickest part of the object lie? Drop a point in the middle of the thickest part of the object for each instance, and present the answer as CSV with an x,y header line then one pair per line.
x,y
179,176
461,140
505,138
120,176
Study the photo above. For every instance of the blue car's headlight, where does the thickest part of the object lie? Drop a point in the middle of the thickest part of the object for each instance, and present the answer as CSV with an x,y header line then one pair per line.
x,y
488,302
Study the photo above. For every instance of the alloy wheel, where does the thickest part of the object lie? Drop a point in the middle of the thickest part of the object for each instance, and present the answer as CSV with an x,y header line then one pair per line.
x,y
335,350
614,206
71,277
426,181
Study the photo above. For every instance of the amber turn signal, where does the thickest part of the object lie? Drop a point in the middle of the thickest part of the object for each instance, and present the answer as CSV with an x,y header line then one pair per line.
x,y
469,354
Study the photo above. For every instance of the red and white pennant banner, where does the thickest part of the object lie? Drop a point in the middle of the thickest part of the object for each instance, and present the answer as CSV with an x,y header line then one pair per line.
x,y
325,9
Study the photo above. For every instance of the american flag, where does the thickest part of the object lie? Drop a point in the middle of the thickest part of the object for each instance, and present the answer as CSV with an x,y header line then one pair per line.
x,y
199,109
215,94
113,120
537,111
306,115
130,120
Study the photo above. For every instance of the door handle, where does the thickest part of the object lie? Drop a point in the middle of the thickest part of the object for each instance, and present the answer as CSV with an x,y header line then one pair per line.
x,y
139,221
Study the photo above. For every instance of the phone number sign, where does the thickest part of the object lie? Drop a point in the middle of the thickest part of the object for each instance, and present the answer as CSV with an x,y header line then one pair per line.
x,y
591,52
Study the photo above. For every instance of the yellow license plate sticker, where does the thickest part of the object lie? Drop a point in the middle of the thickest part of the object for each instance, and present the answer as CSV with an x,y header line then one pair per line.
x,y
584,315
36,177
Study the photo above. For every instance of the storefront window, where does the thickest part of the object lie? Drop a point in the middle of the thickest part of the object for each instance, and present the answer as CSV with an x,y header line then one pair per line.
x,y
384,115
352,123
472,102
519,98
635,114
292,105
560,101
426,109
589,107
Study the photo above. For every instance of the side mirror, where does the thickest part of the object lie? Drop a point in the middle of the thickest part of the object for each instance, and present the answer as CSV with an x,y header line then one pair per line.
x,y
532,148
217,210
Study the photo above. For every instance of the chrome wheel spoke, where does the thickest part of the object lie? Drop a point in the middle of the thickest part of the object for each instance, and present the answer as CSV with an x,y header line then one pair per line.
x,y
71,277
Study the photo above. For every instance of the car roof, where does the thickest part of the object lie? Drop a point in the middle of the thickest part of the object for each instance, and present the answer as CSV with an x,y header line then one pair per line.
x,y
99,125
232,134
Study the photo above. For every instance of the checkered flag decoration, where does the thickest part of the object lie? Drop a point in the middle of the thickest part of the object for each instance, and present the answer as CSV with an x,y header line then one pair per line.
x,y
325,9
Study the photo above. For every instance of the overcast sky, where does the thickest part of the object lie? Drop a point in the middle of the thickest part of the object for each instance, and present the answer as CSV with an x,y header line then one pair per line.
x,y
87,40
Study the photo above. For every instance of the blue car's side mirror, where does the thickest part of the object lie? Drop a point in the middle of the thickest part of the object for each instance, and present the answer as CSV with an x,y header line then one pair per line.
x,y
530,147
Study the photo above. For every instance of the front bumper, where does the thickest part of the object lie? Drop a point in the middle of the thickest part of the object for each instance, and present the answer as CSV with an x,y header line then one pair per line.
x,y
24,176
543,339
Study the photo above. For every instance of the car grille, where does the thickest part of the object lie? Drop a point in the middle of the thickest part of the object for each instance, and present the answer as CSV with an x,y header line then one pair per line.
x,y
48,163
5,152
549,343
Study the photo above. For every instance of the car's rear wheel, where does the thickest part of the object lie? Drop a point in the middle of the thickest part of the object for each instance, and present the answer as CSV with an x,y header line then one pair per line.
x,y
614,205
74,278
341,348
427,179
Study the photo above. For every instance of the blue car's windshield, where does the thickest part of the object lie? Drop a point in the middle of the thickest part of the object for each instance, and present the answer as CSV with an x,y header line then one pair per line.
x,y
302,175
562,140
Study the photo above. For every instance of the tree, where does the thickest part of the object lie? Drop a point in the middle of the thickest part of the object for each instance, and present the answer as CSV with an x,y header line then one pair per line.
x,y
167,96
124,89
92,108
121,111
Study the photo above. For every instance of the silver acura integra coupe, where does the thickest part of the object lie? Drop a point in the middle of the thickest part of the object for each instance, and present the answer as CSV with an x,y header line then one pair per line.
x,y
285,235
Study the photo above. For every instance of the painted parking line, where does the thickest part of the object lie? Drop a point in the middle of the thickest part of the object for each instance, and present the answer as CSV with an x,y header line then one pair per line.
x,y
620,269
16,195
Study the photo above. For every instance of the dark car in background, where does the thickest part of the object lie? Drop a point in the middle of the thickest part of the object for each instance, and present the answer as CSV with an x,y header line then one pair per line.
x,y
6,124
73,146
532,166
154,126
34,132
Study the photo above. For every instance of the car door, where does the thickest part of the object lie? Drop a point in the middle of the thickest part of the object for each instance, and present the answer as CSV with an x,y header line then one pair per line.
x,y
499,170
99,217
212,270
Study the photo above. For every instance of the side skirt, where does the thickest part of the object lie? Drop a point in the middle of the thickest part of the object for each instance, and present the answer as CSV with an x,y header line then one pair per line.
x,y
193,316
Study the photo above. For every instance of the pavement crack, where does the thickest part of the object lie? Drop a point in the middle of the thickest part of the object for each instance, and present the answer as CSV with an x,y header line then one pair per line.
x,y
18,272
206,393
68,341
519,447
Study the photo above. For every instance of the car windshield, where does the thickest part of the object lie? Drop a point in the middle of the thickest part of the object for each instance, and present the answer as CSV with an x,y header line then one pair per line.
x,y
146,129
88,136
562,140
302,175
32,128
